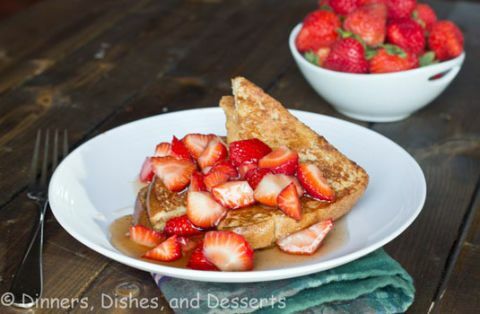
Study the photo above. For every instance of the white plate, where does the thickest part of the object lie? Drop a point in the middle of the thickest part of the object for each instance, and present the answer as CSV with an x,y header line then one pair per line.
x,y
94,185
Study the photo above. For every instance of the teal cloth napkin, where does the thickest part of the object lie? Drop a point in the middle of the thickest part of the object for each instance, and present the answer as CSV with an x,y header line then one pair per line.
x,y
374,283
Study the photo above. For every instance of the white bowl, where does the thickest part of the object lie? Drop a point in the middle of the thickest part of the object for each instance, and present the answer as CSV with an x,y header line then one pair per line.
x,y
377,97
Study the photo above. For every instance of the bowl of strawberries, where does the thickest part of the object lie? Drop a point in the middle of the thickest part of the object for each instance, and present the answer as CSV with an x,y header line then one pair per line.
x,y
377,60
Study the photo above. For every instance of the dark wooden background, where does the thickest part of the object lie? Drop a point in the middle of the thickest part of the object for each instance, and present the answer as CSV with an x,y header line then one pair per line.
x,y
90,65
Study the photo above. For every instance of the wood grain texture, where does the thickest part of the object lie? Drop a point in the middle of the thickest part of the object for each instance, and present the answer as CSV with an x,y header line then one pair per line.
x,y
92,88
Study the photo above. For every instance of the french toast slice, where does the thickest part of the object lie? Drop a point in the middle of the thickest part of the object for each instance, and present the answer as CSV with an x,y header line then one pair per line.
x,y
251,113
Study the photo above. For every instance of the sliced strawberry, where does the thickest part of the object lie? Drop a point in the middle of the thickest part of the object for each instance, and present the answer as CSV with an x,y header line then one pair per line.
x,y
163,149
203,210
196,182
270,187
215,178
234,194
245,167
196,143
315,184
175,173
226,167
146,173
167,251
228,251
248,151
289,202
281,160
179,150
145,236
306,241
188,244
254,176
199,261
181,226
214,153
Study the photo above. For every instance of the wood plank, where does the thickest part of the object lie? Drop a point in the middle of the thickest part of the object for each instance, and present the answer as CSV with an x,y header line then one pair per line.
x,y
463,292
64,258
37,38
90,88
192,84
108,292
460,290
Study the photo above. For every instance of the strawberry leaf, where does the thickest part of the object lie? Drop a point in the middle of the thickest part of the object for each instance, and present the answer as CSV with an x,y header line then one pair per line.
x,y
395,50
427,58
370,53
311,57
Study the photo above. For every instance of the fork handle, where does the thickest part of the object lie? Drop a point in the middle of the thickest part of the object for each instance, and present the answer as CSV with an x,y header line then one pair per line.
x,y
28,282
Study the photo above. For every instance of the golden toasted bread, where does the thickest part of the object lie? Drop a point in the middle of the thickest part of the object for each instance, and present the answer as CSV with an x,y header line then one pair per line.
x,y
252,113
162,204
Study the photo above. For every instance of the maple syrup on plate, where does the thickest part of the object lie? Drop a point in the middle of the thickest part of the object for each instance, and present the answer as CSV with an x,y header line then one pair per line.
x,y
265,259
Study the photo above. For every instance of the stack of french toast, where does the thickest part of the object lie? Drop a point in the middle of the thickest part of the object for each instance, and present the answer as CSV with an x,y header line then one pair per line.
x,y
253,114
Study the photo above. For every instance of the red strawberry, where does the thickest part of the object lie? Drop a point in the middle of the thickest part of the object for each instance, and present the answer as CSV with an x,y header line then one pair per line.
x,y
196,182
188,244
255,175
424,15
319,30
163,149
245,167
368,22
179,150
343,7
167,251
407,34
446,40
226,167
392,60
315,184
174,173
181,226
250,150
306,241
270,187
322,55
400,8
347,55
146,173
289,202
228,251
196,143
234,194
203,210
281,160
199,261
364,2
145,236
212,179
213,153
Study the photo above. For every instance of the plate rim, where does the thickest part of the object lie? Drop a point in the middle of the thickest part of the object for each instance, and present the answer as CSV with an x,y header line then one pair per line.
x,y
244,276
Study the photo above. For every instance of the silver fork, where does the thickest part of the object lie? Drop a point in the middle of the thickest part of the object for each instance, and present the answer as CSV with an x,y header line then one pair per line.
x,y
28,282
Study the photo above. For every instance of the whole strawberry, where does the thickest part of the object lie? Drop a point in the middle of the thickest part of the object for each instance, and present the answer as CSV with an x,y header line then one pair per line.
x,y
343,7
319,30
407,34
446,40
424,15
400,8
368,22
347,55
392,58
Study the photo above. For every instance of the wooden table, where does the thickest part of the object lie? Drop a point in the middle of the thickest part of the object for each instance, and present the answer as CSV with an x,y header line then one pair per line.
x,y
90,65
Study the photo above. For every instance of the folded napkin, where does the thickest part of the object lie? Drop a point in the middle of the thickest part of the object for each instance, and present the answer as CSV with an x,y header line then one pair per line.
x,y
372,284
